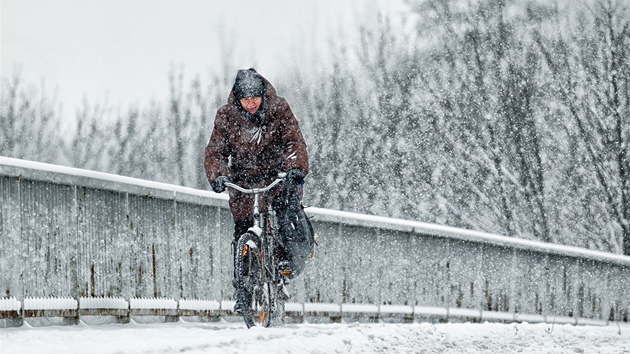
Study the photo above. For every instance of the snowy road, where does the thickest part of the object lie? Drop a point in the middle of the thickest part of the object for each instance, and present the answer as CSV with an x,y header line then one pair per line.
x,y
189,338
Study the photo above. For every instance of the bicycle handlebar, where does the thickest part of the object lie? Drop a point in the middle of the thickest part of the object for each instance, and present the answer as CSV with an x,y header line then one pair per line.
x,y
255,190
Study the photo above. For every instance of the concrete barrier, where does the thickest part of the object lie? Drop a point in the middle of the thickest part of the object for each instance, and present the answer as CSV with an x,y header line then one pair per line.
x,y
79,233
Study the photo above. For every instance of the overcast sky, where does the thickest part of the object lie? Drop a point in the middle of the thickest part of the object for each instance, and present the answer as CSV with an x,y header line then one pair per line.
x,y
123,49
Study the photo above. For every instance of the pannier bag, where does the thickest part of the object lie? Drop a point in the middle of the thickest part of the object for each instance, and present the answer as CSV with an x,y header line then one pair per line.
x,y
296,236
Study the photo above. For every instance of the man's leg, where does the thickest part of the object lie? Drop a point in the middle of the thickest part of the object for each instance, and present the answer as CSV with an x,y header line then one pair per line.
x,y
280,203
286,203
241,227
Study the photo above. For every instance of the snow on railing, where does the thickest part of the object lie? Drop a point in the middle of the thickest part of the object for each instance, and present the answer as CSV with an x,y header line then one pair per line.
x,y
461,312
431,311
199,305
321,307
523,317
10,304
227,305
294,307
153,304
114,303
359,308
507,317
396,309
50,303
336,312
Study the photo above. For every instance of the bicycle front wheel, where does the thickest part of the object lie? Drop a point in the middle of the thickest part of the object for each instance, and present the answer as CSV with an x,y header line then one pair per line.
x,y
252,288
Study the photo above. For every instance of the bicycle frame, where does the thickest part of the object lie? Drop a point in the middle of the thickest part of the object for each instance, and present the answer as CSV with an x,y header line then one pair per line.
x,y
265,246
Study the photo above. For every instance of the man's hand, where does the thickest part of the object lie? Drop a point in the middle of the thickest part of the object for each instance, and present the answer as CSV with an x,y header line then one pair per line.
x,y
218,185
296,175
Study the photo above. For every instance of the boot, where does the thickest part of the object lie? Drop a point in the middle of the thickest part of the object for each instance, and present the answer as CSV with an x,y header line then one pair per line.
x,y
285,266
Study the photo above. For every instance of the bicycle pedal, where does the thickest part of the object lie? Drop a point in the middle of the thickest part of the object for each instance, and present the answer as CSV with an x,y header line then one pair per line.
x,y
284,268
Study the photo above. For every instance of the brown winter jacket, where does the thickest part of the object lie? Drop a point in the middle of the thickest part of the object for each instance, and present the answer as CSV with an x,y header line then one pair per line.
x,y
252,155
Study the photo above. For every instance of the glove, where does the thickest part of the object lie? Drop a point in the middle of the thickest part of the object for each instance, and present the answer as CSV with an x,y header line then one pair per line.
x,y
296,175
218,185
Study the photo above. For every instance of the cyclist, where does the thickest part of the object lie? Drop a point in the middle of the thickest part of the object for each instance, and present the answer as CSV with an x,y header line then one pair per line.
x,y
255,137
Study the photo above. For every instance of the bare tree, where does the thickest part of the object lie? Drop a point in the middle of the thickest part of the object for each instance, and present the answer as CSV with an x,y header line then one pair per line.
x,y
90,138
497,115
481,81
589,63
31,123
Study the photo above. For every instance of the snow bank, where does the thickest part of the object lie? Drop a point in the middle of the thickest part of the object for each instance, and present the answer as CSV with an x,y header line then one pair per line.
x,y
223,337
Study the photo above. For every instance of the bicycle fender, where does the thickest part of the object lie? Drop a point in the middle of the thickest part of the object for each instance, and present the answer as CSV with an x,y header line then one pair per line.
x,y
256,230
251,244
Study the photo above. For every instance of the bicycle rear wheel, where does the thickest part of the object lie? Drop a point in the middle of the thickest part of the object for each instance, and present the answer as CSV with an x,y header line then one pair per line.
x,y
253,291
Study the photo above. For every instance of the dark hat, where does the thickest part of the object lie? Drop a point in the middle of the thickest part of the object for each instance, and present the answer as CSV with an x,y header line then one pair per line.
x,y
248,83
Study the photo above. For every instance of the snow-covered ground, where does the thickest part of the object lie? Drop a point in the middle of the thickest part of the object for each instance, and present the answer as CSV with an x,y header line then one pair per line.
x,y
224,337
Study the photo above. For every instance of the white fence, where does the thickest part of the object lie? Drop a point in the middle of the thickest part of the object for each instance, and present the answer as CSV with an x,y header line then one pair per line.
x,y
74,233
169,310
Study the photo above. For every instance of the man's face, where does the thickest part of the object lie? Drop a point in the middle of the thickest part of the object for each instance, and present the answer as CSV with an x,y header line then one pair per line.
x,y
251,104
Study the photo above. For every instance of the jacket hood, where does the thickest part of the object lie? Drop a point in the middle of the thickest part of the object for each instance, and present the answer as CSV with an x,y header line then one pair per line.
x,y
260,117
248,83
270,91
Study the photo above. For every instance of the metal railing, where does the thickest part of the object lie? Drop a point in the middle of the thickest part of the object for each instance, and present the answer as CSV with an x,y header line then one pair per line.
x,y
117,309
78,233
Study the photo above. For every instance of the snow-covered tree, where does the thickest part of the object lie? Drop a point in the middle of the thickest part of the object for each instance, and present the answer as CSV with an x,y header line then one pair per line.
x,y
30,124
588,58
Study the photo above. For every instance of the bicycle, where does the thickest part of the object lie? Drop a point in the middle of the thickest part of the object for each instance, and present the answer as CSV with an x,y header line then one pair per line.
x,y
259,283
